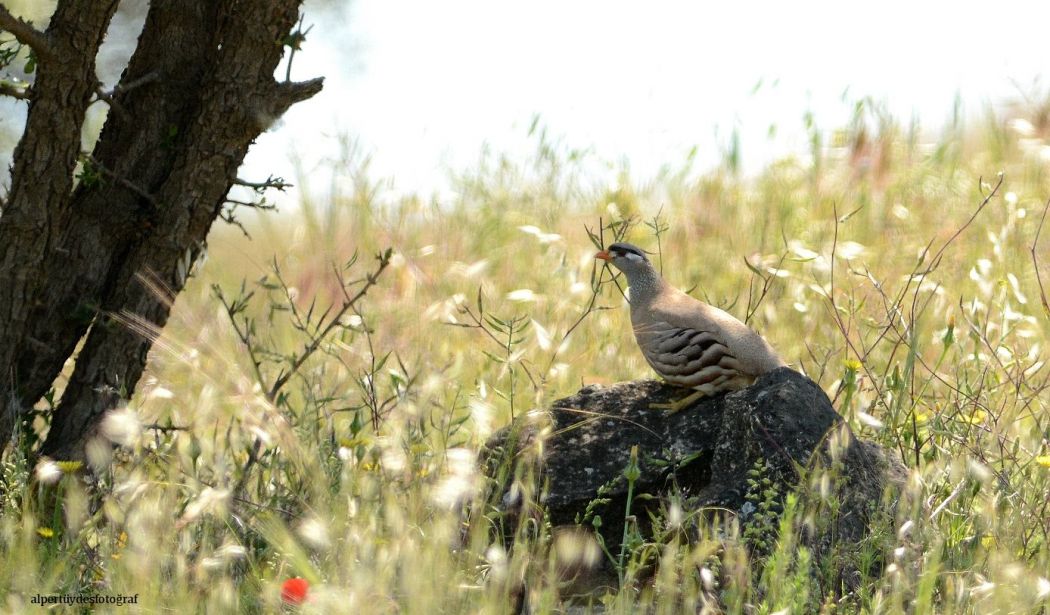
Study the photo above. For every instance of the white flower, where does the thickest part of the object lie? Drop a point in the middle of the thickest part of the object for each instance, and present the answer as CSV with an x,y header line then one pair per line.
x,y
522,294
48,472
459,483
543,337
496,556
161,393
1042,588
675,515
468,271
801,250
905,529
210,500
849,250
539,234
1022,127
869,420
707,578
121,426
230,552
314,533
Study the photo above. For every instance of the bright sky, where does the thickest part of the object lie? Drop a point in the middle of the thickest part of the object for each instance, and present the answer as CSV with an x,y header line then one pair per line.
x,y
422,84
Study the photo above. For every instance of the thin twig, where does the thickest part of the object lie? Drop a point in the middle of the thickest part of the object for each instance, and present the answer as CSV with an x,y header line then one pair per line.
x,y
948,500
295,42
319,337
1035,261
109,96
767,283
276,183
19,92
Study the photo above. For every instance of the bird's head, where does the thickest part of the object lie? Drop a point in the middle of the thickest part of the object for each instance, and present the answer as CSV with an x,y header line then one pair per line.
x,y
627,258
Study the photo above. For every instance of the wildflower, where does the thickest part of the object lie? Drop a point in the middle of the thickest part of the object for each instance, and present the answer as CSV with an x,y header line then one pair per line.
x,y
852,365
293,591
460,481
540,236
1043,460
68,467
48,472
1042,588
575,552
543,337
522,294
314,532
869,420
849,250
45,532
496,556
976,417
121,427
231,552
707,578
161,393
675,515
210,500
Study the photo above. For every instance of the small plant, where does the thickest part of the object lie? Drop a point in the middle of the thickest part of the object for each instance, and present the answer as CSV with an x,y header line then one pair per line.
x,y
764,498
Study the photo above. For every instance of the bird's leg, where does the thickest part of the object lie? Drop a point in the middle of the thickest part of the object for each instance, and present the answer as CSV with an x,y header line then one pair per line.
x,y
681,404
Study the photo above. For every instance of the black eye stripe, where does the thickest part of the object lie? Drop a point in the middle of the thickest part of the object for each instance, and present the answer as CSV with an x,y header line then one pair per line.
x,y
622,249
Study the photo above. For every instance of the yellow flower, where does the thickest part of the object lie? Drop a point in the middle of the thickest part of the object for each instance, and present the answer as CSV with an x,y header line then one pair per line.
x,y
68,467
45,532
987,541
1043,460
852,365
354,442
977,416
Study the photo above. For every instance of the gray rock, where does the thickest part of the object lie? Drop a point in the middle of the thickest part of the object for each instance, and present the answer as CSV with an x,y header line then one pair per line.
x,y
784,422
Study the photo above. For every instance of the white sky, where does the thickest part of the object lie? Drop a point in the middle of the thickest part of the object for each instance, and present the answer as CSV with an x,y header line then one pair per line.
x,y
422,84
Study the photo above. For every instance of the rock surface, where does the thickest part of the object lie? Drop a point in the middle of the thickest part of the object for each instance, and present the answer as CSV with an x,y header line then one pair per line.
x,y
705,452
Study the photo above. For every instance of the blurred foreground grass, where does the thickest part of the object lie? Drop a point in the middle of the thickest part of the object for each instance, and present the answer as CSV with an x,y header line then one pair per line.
x,y
353,475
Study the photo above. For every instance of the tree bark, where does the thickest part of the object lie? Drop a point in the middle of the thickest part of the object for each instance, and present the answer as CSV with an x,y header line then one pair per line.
x,y
198,90
42,173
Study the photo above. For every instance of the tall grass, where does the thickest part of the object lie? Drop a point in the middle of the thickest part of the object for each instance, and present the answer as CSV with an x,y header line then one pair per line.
x,y
897,271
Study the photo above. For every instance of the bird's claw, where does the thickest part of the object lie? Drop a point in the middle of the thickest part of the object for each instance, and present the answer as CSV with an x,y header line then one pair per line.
x,y
678,405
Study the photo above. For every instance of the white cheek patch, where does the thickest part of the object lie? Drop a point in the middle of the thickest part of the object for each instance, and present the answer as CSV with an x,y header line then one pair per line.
x,y
631,256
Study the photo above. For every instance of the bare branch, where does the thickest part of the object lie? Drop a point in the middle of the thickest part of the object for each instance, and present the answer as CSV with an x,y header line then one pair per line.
x,y
287,93
25,33
253,204
19,91
121,88
134,84
276,183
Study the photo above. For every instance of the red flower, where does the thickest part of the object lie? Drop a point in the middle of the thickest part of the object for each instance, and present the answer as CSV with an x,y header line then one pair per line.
x,y
293,591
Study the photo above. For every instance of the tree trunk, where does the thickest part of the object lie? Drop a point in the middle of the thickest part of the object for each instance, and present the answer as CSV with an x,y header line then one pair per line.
x,y
198,90
42,174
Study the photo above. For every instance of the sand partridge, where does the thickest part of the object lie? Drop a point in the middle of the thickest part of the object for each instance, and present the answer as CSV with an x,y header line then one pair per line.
x,y
688,342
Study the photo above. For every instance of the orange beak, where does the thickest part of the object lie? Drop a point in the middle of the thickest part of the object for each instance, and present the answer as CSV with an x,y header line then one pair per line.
x,y
603,255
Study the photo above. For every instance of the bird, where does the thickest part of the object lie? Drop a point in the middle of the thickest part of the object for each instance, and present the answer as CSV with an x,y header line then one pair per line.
x,y
687,342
